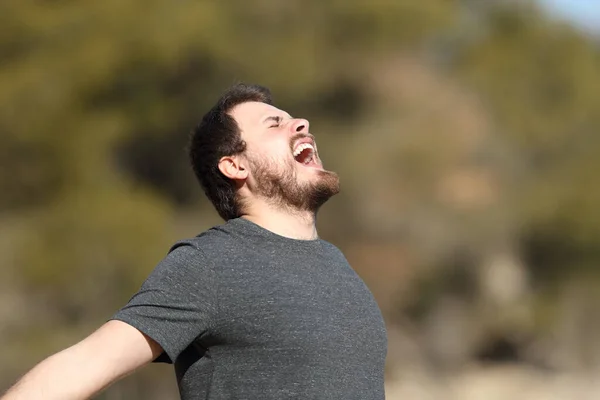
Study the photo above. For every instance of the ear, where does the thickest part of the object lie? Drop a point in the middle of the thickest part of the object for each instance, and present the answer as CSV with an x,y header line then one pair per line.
x,y
232,168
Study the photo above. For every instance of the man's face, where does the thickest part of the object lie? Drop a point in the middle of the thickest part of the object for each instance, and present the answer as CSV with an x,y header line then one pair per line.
x,y
282,156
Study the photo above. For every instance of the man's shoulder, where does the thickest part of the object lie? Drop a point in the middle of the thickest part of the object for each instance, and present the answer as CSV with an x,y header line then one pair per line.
x,y
330,247
190,256
209,242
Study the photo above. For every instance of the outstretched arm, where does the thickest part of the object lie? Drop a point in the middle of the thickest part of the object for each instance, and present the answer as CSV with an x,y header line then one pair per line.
x,y
81,371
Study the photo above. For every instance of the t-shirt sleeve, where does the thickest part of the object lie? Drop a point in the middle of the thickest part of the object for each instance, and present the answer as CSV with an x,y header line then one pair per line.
x,y
176,304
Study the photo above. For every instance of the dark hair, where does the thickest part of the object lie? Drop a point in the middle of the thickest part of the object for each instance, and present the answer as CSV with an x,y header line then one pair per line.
x,y
216,136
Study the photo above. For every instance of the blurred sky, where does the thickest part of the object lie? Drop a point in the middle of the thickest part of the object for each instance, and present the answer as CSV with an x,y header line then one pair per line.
x,y
585,13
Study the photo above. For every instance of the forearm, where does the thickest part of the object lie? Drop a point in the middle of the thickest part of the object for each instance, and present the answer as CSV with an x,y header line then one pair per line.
x,y
63,376
81,371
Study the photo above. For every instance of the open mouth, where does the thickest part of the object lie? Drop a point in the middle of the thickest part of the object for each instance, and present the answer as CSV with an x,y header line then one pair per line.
x,y
305,154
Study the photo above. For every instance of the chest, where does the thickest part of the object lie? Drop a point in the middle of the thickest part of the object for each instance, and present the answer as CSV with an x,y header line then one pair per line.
x,y
311,302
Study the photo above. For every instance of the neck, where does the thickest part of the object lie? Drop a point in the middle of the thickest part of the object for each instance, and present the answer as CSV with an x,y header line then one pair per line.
x,y
283,222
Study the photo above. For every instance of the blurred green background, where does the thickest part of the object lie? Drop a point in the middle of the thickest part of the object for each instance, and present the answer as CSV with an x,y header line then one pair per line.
x,y
465,133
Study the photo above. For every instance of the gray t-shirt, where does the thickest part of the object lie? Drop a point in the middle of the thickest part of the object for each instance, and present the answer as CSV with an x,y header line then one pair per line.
x,y
247,314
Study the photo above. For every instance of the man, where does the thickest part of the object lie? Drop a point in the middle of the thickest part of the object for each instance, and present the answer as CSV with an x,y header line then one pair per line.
x,y
256,308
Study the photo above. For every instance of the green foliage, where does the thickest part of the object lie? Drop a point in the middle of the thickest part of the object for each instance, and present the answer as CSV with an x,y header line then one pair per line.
x,y
540,80
495,146
93,245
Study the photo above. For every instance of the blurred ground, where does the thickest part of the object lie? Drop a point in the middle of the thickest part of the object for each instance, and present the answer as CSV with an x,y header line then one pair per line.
x,y
495,383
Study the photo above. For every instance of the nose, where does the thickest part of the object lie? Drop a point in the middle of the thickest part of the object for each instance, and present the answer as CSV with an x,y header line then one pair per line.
x,y
300,126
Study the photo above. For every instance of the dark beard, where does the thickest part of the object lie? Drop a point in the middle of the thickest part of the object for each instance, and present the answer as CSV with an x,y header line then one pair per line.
x,y
283,189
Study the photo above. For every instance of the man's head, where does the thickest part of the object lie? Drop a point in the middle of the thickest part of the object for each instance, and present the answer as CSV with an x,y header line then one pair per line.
x,y
247,150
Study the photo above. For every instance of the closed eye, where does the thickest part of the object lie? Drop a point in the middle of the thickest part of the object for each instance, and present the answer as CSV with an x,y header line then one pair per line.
x,y
276,121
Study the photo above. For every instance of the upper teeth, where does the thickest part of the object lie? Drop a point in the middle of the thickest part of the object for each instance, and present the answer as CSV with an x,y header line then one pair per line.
x,y
303,147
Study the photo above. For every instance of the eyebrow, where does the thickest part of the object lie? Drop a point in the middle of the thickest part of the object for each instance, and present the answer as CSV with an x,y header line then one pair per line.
x,y
273,118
